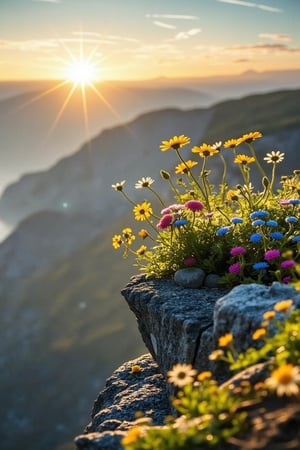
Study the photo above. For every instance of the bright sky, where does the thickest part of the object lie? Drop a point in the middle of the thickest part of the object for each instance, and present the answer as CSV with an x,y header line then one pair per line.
x,y
135,39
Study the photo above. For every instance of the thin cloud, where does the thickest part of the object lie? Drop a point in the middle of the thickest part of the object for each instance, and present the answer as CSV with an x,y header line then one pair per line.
x,y
172,16
98,36
187,34
266,47
251,5
164,25
275,37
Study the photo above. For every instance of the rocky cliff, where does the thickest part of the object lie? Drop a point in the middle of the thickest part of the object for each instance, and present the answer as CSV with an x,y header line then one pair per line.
x,y
183,325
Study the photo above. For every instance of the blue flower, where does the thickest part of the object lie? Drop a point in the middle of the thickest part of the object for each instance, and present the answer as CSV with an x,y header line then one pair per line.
x,y
276,235
296,239
255,237
260,265
259,213
294,201
291,219
272,223
258,222
236,220
222,231
179,222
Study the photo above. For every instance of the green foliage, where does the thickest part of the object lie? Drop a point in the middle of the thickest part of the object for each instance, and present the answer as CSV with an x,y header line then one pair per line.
x,y
239,232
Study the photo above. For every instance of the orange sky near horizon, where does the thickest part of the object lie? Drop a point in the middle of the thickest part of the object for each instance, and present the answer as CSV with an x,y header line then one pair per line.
x,y
139,39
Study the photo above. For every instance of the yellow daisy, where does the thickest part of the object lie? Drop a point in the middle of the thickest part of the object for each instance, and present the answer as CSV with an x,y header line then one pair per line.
x,y
233,195
117,241
244,159
184,167
143,233
250,137
232,143
225,340
142,211
175,143
269,315
283,305
132,435
141,251
205,150
258,334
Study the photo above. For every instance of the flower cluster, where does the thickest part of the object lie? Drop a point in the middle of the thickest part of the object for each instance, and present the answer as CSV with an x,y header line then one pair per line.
x,y
238,232
211,415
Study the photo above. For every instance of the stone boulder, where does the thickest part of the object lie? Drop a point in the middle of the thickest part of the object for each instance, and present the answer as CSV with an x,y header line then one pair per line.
x,y
125,394
175,323
181,325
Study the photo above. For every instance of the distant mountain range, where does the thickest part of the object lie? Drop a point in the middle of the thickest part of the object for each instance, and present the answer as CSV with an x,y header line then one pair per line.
x,y
64,324
40,127
40,123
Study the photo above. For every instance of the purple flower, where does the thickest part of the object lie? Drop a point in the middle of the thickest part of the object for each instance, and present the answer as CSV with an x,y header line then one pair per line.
x,y
234,268
236,220
286,279
223,230
272,223
259,213
276,235
287,263
194,205
189,261
237,251
260,265
271,254
255,237
258,222
291,219
165,221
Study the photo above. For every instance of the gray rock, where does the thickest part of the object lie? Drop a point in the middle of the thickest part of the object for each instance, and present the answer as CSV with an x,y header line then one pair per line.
x,y
191,277
124,395
240,313
172,320
212,280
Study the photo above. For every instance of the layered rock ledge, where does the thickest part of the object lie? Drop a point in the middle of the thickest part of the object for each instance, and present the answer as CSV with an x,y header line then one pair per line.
x,y
184,325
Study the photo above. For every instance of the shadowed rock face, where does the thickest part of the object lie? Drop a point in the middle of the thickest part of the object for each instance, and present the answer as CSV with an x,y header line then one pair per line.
x,y
173,320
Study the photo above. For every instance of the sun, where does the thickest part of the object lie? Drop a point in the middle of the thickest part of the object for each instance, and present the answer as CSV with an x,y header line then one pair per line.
x,y
81,72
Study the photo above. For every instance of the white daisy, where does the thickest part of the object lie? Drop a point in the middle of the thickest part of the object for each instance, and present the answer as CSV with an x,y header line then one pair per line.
x,y
274,157
118,186
285,380
181,374
144,183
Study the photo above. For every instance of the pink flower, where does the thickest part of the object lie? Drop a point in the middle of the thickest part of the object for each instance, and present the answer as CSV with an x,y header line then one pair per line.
x,y
287,263
234,268
237,251
165,221
171,208
189,261
271,254
194,205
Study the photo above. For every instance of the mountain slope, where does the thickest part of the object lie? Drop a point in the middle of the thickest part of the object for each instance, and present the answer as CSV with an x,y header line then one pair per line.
x,y
40,127
71,329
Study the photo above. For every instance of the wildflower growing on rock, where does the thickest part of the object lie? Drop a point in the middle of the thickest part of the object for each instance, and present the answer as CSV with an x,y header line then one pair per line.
x,y
181,374
213,221
284,380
